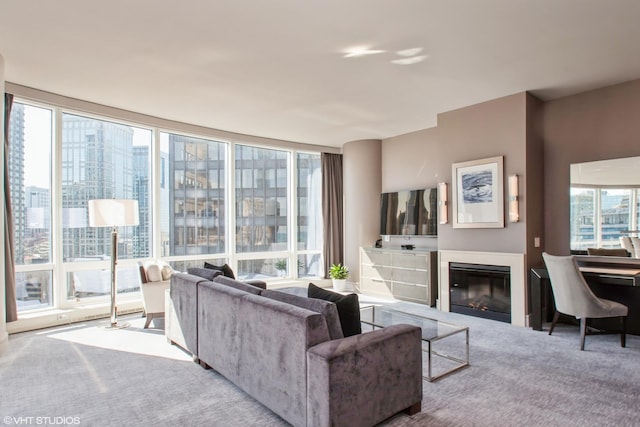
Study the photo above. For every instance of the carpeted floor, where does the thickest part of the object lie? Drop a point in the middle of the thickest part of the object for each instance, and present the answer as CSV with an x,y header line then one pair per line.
x,y
86,375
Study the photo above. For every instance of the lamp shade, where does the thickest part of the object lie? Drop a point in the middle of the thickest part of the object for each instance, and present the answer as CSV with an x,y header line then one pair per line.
x,y
113,212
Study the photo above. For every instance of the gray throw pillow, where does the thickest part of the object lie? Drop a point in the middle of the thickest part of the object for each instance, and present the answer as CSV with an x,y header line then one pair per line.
x,y
225,269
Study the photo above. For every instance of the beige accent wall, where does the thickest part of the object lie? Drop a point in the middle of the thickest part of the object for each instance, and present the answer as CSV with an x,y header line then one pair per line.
x,y
361,164
510,127
595,125
4,337
424,158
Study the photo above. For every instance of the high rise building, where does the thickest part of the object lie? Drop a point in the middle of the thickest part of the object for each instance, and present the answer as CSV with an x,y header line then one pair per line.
x,y
97,163
141,173
37,224
197,189
16,178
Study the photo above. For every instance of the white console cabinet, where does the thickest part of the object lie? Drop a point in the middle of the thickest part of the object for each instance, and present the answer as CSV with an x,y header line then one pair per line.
x,y
402,274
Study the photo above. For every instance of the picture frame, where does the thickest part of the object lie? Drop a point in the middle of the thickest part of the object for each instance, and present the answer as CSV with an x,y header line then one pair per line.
x,y
478,193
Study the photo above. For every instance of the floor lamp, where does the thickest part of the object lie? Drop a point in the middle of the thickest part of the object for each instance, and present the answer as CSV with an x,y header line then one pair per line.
x,y
113,213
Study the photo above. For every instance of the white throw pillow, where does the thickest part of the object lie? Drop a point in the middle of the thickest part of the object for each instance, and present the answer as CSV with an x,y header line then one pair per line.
x,y
166,270
153,272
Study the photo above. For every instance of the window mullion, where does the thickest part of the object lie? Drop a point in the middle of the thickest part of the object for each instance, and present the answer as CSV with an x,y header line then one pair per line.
x,y
293,214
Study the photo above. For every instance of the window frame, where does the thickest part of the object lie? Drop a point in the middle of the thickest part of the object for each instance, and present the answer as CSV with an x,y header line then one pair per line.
x,y
59,269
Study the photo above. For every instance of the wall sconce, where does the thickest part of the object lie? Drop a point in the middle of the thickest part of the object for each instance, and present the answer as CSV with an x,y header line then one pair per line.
x,y
443,213
514,210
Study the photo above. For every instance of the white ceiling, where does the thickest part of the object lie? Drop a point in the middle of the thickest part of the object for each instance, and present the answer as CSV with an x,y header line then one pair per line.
x,y
276,68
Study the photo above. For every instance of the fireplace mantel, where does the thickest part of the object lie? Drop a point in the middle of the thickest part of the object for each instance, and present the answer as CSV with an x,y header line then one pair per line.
x,y
518,277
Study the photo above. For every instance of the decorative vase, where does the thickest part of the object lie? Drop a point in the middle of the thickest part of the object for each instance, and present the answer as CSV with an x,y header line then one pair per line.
x,y
339,284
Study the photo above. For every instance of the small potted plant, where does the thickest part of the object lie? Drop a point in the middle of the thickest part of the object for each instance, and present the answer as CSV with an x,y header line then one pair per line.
x,y
281,266
338,274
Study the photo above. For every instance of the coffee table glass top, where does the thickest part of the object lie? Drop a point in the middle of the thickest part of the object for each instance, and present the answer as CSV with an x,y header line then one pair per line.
x,y
432,329
454,353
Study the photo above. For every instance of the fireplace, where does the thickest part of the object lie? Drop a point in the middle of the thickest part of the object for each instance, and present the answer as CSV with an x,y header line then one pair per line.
x,y
480,290
518,277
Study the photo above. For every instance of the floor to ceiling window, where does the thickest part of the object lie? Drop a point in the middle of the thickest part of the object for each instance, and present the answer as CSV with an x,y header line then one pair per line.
x,y
102,160
30,140
309,218
200,199
193,210
262,209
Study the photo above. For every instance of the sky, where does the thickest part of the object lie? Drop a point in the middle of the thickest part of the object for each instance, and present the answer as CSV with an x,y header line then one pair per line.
x,y
37,150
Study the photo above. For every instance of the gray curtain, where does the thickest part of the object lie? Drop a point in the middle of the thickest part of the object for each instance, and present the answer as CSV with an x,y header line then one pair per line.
x,y
332,209
9,265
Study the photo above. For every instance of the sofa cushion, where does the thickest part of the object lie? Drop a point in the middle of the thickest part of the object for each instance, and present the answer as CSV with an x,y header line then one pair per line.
x,y
327,308
224,280
226,270
205,273
348,308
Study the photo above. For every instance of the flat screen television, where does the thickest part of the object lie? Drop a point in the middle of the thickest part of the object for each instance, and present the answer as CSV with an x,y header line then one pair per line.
x,y
409,213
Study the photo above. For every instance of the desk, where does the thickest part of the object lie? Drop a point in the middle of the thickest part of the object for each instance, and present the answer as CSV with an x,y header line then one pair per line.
x,y
609,279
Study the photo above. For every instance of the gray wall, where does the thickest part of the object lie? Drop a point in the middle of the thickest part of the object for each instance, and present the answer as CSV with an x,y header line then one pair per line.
x,y
424,158
596,125
539,141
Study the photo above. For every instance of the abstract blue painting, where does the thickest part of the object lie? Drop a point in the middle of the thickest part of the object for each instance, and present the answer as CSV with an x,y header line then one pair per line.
x,y
477,187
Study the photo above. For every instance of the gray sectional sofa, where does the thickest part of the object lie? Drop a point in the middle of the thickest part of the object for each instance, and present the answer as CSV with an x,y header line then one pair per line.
x,y
288,352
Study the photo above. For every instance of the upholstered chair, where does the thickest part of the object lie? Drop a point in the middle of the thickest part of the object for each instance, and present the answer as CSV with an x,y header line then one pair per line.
x,y
155,277
625,242
635,241
574,297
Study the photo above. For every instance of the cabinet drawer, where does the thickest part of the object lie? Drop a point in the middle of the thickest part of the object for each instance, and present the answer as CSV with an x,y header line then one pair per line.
x,y
376,258
376,272
415,277
376,286
410,261
413,292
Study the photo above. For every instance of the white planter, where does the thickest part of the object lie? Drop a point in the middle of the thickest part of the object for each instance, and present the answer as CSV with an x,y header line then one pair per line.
x,y
339,284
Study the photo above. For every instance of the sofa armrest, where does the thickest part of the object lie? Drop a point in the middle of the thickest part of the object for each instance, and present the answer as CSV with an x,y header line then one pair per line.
x,y
364,378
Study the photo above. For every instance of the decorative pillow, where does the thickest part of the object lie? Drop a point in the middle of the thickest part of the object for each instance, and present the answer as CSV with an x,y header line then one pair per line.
x,y
153,272
166,270
348,308
205,273
226,270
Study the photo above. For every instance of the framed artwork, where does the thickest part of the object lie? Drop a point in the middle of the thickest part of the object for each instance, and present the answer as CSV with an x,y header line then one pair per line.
x,y
478,193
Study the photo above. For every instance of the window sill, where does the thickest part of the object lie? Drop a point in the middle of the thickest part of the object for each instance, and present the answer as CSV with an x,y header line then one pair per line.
x,y
46,318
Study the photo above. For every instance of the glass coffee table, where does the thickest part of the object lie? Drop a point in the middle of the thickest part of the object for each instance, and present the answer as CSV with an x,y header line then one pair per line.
x,y
447,345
